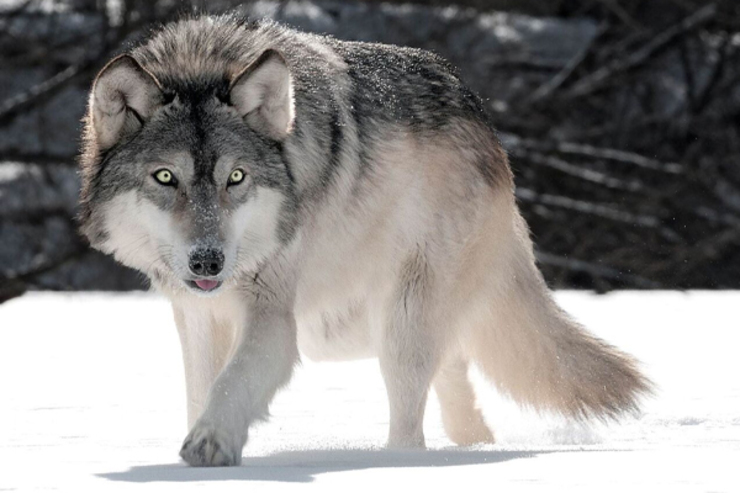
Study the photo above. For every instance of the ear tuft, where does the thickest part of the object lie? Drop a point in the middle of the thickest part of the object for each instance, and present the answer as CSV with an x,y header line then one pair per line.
x,y
263,95
124,96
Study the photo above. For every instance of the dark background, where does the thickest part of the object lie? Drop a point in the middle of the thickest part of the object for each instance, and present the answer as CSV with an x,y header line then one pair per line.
x,y
621,119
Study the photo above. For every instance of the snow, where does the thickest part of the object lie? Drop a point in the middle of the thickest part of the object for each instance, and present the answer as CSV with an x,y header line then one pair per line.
x,y
92,399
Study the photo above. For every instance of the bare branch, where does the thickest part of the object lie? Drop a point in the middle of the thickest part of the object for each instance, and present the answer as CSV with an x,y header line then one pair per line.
x,y
597,80
582,173
548,88
595,270
11,106
609,212
514,141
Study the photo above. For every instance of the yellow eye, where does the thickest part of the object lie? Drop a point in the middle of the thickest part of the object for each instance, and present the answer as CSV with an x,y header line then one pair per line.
x,y
236,176
165,177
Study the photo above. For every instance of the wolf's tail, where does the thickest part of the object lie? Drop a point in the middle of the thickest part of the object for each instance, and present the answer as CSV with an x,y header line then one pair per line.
x,y
534,352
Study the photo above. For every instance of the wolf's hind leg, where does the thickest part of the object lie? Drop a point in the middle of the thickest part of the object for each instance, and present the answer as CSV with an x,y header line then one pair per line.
x,y
462,420
408,355
407,383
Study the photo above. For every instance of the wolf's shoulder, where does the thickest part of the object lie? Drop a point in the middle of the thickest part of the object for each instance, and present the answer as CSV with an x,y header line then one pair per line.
x,y
387,57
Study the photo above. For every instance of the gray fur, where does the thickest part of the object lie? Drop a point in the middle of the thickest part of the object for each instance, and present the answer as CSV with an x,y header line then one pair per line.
x,y
196,60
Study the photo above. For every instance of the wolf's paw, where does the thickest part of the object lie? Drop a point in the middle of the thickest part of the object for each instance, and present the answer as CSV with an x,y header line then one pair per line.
x,y
469,430
207,446
476,433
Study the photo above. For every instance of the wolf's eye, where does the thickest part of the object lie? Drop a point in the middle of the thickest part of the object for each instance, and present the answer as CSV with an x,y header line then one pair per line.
x,y
165,177
236,177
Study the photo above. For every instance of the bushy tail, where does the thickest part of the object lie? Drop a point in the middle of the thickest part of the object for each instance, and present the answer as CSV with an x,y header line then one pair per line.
x,y
533,351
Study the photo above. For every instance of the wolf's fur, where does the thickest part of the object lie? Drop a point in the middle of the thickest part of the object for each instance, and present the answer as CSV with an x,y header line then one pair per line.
x,y
377,219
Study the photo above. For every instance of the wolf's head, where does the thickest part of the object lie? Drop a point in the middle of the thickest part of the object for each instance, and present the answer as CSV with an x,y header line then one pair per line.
x,y
186,182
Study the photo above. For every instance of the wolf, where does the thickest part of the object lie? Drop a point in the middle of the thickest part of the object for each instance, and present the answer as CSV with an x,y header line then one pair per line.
x,y
292,193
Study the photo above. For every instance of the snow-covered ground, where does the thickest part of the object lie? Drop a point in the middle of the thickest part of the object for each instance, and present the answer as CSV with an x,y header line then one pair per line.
x,y
92,399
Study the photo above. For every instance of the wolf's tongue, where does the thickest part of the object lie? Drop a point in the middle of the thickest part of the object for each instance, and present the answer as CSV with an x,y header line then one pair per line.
x,y
205,284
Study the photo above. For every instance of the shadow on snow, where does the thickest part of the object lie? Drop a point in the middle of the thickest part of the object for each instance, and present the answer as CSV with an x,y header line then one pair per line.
x,y
303,466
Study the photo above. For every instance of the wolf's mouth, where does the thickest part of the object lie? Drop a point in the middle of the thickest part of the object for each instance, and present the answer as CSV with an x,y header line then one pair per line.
x,y
204,285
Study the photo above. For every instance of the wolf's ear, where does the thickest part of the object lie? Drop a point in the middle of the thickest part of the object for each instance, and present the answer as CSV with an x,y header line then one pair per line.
x,y
124,96
263,94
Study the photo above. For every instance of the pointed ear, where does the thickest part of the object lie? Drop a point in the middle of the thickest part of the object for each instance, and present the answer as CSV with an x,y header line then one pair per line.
x,y
124,96
263,95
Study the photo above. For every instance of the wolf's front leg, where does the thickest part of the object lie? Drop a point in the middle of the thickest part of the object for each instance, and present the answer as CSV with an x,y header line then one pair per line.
x,y
262,363
206,344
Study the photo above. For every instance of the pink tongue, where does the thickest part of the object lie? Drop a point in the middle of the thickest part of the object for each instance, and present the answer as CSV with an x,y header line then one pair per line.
x,y
205,284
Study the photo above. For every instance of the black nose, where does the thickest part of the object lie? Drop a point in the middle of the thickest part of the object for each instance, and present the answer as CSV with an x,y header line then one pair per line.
x,y
206,261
